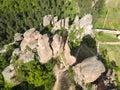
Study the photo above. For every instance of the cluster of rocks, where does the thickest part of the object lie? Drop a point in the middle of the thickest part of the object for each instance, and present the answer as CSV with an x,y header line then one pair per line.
x,y
89,70
85,23
57,24
33,41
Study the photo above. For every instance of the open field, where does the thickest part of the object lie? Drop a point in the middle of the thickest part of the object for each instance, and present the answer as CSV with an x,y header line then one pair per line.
x,y
110,16
113,52
105,37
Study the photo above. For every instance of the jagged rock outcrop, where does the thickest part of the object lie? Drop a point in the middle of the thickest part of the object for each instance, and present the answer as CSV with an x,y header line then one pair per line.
x,y
69,58
43,49
88,70
57,25
47,20
16,52
9,75
57,45
67,23
55,19
18,37
30,39
86,20
26,56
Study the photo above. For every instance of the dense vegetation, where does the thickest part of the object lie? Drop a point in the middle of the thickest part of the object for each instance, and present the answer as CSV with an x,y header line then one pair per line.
x,y
36,74
18,16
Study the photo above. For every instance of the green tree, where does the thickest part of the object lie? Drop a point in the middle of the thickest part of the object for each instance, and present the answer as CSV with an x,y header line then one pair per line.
x,y
36,74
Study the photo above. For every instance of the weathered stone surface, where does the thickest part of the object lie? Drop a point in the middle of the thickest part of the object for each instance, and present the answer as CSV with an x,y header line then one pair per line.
x,y
66,23
26,56
88,30
70,59
55,19
18,37
62,22
88,70
57,25
16,52
86,20
9,75
43,49
30,39
46,20
57,45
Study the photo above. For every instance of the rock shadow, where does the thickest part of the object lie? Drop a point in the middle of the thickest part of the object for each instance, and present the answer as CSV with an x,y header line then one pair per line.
x,y
86,49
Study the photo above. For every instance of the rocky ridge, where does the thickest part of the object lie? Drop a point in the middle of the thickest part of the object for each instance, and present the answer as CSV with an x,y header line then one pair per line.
x,y
32,41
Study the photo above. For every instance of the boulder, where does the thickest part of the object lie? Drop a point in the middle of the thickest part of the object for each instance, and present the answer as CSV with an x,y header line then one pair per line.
x,y
57,45
86,20
69,58
26,56
46,20
16,52
88,70
57,25
55,19
62,22
18,37
43,49
9,75
30,39
88,30
66,23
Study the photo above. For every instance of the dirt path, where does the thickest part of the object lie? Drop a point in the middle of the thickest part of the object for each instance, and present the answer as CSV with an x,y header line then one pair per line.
x,y
106,43
107,31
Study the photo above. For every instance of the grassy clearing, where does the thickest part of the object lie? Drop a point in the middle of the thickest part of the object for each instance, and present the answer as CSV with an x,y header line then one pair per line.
x,y
113,52
105,37
111,12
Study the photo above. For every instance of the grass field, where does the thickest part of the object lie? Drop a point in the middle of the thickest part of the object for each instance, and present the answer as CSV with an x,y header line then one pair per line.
x,y
113,52
110,16
105,37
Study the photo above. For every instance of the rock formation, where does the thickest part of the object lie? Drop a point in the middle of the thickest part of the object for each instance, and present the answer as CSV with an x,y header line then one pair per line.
x,y
57,45
30,39
69,58
26,56
47,48
43,49
9,74
18,37
47,20
88,70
